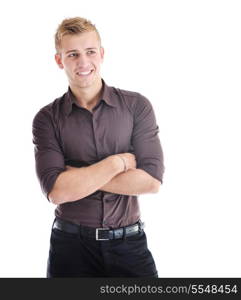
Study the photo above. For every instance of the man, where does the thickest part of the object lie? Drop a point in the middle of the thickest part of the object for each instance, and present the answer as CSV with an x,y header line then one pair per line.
x,y
96,150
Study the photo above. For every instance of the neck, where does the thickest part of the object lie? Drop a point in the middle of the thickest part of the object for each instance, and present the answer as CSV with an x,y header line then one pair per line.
x,y
87,97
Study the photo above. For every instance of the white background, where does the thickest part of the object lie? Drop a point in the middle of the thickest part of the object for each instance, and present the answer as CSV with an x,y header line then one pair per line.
x,y
184,56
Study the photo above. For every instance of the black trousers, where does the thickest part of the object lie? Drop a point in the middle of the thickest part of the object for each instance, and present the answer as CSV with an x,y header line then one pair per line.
x,y
72,255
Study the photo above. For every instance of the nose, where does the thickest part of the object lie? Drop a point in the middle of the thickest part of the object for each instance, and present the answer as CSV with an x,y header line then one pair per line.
x,y
82,61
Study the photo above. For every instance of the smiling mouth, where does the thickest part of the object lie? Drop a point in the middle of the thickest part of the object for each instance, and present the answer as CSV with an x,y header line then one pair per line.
x,y
84,73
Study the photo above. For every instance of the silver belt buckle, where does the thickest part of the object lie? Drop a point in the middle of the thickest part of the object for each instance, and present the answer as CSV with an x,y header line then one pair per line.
x,y
97,234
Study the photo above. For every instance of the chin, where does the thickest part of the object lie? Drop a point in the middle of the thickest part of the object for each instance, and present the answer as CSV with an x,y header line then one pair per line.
x,y
84,84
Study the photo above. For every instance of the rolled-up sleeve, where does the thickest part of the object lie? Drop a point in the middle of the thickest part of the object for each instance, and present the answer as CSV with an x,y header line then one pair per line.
x,y
145,140
49,158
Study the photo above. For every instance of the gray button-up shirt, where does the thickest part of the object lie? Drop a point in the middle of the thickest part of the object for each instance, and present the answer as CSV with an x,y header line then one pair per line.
x,y
64,133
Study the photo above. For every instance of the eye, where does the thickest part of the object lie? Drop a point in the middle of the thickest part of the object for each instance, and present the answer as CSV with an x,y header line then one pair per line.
x,y
91,52
73,55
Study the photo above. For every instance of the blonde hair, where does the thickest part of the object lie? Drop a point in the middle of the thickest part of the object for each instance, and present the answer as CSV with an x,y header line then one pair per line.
x,y
73,26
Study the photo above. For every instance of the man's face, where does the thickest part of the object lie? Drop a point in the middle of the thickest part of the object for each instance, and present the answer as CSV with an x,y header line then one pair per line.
x,y
81,56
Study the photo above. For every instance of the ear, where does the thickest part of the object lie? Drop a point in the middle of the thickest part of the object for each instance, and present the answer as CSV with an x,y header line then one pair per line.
x,y
102,52
58,60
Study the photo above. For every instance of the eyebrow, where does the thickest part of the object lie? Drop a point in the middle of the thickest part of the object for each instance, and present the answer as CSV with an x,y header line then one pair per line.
x,y
75,50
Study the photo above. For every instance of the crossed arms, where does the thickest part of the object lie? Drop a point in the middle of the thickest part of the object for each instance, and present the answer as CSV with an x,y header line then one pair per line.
x,y
106,175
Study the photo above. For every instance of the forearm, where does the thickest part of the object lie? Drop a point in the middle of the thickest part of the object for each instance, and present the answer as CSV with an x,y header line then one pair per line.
x,y
77,183
132,182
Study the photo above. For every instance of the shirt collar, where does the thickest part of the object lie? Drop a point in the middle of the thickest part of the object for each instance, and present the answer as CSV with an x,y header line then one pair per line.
x,y
108,97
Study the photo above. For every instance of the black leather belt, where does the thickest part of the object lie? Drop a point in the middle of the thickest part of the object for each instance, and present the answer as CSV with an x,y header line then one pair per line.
x,y
99,234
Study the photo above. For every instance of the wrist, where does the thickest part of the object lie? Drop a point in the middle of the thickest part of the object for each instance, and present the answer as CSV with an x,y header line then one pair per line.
x,y
123,163
117,163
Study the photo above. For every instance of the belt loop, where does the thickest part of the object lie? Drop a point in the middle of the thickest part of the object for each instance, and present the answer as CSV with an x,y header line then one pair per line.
x,y
124,233
141,226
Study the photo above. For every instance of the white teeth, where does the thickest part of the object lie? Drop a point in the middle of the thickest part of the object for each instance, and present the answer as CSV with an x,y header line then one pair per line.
x,y
84,73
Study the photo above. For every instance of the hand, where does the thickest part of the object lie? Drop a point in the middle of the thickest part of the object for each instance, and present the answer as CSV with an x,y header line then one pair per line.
x,y
129,158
